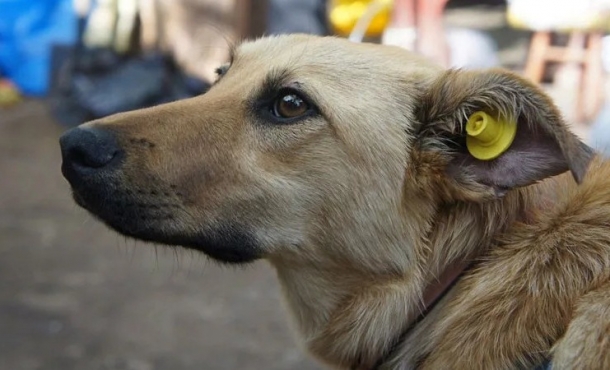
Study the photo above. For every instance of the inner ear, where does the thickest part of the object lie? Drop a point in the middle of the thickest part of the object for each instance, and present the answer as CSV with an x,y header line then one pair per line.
x,y
532,156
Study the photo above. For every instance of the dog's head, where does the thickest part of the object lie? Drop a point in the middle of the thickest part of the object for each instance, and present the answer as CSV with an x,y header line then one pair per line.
x,y
307,142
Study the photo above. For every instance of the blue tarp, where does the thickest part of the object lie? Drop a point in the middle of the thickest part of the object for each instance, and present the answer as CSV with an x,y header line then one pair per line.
x,y
28,31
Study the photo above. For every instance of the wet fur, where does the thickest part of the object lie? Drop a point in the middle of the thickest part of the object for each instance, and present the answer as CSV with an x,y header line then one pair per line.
x,y
360,207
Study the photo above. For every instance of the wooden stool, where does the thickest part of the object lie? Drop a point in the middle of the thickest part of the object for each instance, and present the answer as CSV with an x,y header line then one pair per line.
x,y
583,49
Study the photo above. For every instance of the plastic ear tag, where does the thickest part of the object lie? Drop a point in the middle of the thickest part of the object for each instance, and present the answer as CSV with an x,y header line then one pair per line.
x,y
487,138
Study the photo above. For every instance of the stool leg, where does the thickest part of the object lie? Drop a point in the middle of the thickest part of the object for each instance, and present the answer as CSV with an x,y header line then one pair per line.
x,y
534,67
574,62
593,85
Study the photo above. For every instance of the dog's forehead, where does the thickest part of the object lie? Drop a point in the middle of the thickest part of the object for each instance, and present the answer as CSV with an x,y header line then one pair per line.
x,y
294,49
327,58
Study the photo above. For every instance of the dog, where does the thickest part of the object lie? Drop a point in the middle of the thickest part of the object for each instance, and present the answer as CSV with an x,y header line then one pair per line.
x,y
346,166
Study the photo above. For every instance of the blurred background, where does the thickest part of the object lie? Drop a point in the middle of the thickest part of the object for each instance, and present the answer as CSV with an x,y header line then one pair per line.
x,y
74,295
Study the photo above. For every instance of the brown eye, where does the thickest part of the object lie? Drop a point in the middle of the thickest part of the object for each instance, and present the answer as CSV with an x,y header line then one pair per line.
x,y
290,105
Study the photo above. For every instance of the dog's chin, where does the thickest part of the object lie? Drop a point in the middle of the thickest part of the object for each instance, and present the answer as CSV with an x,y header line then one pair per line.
x,y
228,242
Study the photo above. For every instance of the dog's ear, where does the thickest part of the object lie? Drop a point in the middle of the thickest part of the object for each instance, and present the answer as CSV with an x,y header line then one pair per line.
x,y
542,147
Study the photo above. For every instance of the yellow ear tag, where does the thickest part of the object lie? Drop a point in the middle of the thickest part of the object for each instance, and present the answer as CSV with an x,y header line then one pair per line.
x,y
487,137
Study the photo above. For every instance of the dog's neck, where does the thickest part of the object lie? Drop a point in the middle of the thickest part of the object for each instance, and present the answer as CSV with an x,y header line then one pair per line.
x,y
348,313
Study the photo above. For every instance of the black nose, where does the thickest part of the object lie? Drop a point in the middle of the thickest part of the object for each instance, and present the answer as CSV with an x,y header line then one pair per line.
x,y
86,150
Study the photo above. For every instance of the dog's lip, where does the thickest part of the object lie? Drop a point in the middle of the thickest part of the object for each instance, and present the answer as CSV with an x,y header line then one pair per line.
x,y
145,219
229,244
79,199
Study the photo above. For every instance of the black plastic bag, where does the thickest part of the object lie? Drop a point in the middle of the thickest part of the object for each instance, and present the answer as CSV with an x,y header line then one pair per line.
x,y
87,84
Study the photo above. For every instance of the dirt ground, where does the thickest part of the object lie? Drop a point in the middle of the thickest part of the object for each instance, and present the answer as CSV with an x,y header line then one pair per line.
x,y
74,295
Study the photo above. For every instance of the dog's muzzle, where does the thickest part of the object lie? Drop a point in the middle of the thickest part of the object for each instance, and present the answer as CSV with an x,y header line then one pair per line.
x,y
93,165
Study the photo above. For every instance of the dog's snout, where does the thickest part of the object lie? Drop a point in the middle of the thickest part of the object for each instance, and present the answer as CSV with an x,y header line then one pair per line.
x,y
87,149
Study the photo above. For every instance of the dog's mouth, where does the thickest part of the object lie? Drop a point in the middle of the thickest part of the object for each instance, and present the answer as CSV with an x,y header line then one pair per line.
x,y
133,211
161,217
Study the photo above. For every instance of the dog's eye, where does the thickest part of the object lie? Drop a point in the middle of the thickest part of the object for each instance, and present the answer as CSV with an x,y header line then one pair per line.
x,y
290,105
220,71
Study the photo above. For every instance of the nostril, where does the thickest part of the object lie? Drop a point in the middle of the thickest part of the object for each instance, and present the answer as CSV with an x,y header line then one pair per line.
x,y
88,147
87,157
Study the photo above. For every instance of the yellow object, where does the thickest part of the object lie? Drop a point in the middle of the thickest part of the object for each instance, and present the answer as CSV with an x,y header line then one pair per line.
x,y
487,137
344,14
8,94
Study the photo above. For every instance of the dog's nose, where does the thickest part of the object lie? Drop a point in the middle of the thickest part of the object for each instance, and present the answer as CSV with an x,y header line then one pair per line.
x,y
85,150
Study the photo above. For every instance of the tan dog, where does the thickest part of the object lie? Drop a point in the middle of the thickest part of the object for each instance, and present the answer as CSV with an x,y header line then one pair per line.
x,y
344,166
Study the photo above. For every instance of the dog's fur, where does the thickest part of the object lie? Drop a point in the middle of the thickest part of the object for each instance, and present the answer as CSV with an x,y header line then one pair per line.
x,y
365,201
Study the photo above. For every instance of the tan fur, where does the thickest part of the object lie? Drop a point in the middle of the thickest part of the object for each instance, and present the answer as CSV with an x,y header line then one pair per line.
x,y
361,207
